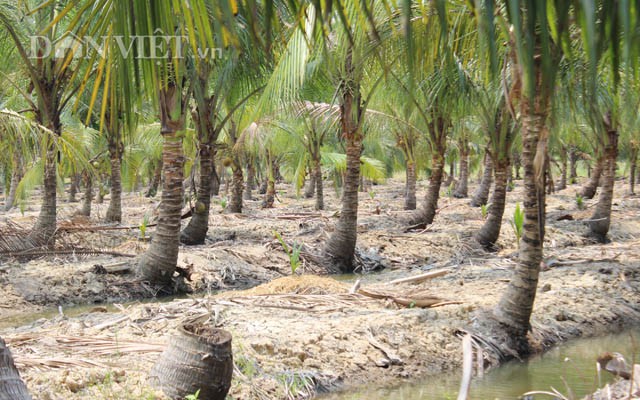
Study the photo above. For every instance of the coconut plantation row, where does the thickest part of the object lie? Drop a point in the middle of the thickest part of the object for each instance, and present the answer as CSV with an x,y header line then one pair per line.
x,y
248,199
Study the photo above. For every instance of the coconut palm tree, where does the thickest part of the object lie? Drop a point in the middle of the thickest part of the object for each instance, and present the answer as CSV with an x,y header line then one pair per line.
x,y
439,93
349,56
496,121
52,72
232,73
539,43
164,79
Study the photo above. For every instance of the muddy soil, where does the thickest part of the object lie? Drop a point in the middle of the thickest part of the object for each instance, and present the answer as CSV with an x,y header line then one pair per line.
x,y
293,335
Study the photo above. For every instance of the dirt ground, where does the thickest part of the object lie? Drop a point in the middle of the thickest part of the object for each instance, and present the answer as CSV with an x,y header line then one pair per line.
x,y
294,335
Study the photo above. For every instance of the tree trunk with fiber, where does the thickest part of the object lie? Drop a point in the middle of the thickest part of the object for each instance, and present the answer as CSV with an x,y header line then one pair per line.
x,y
517,164
203,117
481,195
88,194
427,212
237,187
11,385
573,164
196,230
462,187
633,161
563,170
159,262
270,194
590,189
601,219
199,359
155,180
215,179
99,184
114,211
490,231
516,304
45,226
317,171
73,188
451,175
310,188
251,181
549,175
16,176
339,250
410,201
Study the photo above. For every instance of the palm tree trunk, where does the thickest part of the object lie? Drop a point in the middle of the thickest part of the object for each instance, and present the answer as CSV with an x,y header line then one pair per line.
x,y
310,189
340,248
155,180
632,169
73,188
46,223
100,192
114,212
601,219
490,231
515,306
251,181
516,164
16,176
589,190
549,175
270,195
88,194
158,263
427,213
573,164
317,170
11,386
563,170
410,201
481,195
196,231
215,179
237,187
263,187
451,174
510,184
462,188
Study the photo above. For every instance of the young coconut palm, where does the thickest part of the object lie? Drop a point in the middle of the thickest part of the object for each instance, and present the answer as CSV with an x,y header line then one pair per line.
x,y
539,42
164,79
440,93
52,72
496,121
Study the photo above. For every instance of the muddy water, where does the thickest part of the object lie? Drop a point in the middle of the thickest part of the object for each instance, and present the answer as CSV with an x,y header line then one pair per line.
x,y
573,363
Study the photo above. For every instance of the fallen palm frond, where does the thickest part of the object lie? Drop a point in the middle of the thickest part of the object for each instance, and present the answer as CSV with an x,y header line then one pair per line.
x,y
15,238
54,362
106,346
63,252
406,299
71,238
301,302
85,345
